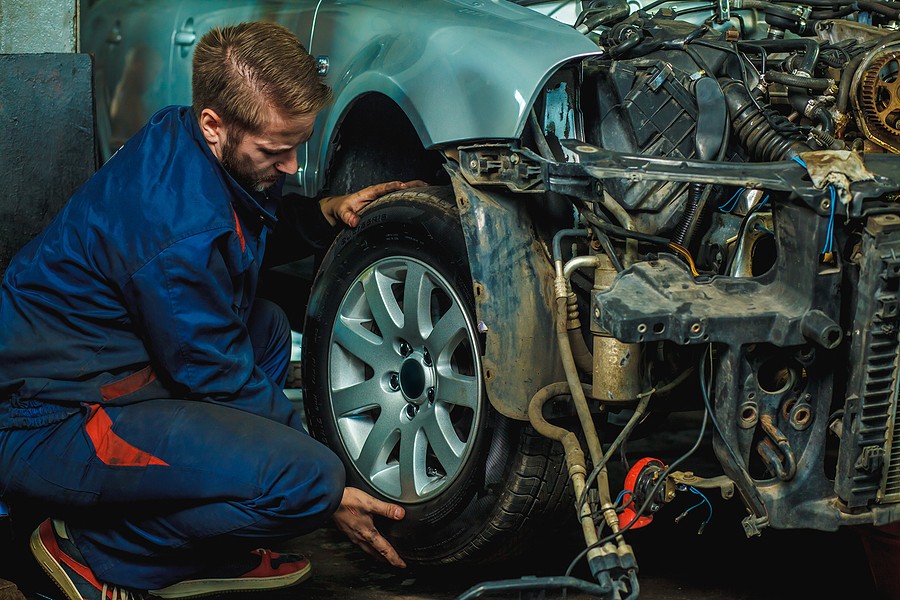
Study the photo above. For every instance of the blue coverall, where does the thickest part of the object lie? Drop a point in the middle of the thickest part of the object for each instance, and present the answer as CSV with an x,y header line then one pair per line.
x,y
141,382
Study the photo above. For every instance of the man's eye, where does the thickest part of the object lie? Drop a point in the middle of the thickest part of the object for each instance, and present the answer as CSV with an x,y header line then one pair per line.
x,y
270,152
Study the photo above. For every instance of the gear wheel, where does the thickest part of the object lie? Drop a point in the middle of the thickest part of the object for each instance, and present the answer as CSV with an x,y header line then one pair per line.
x,y
879,94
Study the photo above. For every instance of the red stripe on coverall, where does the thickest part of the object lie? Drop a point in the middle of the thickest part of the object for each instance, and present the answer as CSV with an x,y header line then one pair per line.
x,y
129,384
240,231
110,448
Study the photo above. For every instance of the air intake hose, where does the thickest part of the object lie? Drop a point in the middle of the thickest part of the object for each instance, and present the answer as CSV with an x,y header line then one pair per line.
x,y
756,130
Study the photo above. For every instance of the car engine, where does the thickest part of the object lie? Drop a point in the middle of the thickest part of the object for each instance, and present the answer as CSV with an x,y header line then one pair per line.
x,y
736,181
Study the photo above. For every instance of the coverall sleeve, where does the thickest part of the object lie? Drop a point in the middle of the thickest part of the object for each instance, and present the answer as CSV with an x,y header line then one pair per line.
x,y
187,302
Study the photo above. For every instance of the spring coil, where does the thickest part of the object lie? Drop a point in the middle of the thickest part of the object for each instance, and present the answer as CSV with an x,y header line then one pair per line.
x,y
696,195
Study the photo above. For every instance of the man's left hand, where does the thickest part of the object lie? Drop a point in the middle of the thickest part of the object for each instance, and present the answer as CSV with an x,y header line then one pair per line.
x,y
354,518
345,209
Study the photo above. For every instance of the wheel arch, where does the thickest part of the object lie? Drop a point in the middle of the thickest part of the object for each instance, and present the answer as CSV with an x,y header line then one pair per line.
x,y
373,140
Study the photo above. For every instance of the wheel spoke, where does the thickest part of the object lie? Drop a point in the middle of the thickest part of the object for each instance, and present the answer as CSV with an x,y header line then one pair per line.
x,y
455,388
359,341
378,445
359,397
417,301
445,443
413,478
447,333
385,310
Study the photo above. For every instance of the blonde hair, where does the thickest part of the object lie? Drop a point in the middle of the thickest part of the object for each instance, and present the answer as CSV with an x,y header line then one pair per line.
x,y
241,70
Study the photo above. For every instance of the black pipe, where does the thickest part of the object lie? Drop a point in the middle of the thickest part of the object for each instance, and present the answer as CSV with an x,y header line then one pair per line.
x,y
881,9
753,128
818,84
809,45
843,93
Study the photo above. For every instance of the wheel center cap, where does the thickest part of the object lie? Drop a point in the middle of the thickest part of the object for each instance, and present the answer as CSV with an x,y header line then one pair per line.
x,y
415,379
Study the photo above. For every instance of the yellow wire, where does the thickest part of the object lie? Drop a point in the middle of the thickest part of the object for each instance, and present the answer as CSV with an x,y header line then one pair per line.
x,y
686,256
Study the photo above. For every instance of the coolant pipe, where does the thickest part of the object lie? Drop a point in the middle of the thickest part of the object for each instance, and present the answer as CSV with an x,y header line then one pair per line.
x,y
817,84
843,93
582,356
578,397
580,351
616,210
574,454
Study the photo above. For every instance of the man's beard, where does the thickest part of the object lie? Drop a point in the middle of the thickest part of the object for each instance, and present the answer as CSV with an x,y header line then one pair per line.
x,y
242,170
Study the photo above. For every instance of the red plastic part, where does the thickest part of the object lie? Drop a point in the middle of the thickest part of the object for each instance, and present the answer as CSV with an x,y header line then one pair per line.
x,y
630,512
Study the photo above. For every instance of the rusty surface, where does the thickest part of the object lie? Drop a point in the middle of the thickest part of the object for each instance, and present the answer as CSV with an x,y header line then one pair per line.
x,y
47,146
513,283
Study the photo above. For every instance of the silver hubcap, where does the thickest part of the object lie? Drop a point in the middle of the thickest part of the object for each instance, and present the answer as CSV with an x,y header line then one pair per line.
x,y
405,379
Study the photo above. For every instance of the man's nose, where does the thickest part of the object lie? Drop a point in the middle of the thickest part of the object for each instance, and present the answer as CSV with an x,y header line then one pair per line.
x,y
288,164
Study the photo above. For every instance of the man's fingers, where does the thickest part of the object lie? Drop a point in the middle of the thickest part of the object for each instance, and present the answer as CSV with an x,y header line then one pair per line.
x,y
391,511
387,552
415,183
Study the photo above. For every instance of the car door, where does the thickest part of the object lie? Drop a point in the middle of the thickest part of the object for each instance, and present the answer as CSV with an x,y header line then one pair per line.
x,y
132,43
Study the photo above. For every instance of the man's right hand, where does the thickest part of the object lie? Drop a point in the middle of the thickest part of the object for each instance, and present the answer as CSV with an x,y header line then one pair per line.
x,y
354,518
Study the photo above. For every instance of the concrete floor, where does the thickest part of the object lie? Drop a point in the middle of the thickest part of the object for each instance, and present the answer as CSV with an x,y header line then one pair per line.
x,y
675,563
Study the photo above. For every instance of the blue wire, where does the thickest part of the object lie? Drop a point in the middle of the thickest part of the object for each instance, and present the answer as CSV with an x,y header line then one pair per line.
x,y
620,496
733,201
704,499
829,236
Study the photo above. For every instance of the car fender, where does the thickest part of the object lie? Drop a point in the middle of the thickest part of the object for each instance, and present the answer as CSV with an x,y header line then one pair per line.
x,y
458,69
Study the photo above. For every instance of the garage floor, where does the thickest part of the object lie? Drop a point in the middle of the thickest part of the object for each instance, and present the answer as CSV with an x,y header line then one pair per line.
x,y
675,562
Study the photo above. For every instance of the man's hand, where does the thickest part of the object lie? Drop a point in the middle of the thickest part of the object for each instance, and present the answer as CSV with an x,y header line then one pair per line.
x,y
345,208
354,518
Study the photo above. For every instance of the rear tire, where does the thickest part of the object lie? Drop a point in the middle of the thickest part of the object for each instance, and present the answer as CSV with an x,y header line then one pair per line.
x,y
392,373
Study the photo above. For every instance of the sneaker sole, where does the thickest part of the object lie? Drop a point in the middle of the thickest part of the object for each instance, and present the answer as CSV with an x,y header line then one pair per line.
x,y
197,588
52,567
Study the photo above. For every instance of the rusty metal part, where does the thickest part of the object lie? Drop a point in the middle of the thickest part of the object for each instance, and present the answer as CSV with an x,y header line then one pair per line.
x,y
512,280
776,450
616,372
722,483
879,94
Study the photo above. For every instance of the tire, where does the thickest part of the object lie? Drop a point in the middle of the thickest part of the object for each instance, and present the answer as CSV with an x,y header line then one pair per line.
x,y
392,373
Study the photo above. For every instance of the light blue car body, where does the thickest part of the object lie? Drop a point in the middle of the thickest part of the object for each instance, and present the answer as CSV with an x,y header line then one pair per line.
x,y
459,69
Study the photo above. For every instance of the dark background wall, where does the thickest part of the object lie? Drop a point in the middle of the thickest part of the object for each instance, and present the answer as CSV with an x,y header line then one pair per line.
x,y
47,145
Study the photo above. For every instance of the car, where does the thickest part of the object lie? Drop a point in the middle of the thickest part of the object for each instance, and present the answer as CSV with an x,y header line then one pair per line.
x,y
636,210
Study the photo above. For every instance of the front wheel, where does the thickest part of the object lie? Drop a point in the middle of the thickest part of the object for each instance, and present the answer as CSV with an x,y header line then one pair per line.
x,y
392,367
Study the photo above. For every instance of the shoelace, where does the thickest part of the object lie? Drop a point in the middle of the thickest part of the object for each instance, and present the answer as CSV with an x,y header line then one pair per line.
x,y
117,593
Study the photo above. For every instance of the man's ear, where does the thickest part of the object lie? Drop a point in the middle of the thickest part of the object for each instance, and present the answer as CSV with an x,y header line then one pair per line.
x,y
213,129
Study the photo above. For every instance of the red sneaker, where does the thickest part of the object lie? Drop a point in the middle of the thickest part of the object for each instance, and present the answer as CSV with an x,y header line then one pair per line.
x,y
259,570
60,558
